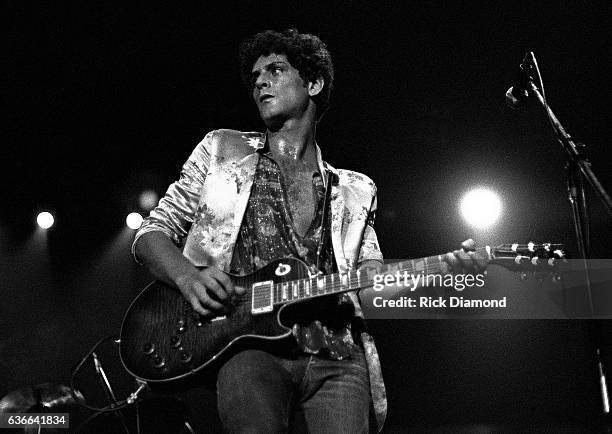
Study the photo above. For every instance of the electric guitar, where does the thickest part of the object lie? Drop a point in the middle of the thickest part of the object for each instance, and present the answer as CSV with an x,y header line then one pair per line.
x,y
163,339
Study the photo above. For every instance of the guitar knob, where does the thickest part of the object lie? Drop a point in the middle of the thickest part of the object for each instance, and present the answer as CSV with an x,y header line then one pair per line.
x,y
148,348
159,361
185,357
175,341
196,318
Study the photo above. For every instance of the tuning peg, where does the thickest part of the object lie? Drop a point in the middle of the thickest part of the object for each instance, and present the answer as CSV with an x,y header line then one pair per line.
x,y
520,258
514,247
559,253
535,260
552,262
547,247
530,246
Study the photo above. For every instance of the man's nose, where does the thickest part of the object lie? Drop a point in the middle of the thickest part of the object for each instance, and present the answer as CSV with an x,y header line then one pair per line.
x,y
262,81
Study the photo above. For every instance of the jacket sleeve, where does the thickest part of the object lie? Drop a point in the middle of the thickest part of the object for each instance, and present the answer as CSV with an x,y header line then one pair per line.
x,y
370,250
176,211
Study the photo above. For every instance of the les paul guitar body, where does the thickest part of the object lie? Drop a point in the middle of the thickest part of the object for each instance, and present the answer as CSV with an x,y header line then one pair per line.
x,y
164,339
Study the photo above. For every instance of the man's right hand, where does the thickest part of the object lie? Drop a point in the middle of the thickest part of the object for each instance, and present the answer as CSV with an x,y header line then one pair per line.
x,y
209,291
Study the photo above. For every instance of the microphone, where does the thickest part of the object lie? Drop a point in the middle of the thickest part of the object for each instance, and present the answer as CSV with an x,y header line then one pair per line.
x,y
518,94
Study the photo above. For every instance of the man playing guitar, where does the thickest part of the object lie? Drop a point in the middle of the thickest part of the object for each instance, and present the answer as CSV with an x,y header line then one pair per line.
x,y
246,199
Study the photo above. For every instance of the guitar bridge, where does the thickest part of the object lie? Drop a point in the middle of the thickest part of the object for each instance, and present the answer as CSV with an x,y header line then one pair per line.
x,y
263,297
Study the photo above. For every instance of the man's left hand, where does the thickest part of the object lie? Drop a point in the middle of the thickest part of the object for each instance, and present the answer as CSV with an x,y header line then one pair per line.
x,y
467,260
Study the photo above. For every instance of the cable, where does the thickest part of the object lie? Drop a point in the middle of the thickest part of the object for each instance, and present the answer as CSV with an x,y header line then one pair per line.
x,y
111,407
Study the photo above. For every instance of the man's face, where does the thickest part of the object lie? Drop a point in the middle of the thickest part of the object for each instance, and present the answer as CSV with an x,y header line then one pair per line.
x,y
278,90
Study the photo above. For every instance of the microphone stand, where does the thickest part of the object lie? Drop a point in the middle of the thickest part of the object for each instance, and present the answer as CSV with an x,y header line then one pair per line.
x,y
578,171
108,391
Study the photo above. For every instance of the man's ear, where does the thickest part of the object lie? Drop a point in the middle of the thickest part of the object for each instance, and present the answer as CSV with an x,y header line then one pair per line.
x,y
315,87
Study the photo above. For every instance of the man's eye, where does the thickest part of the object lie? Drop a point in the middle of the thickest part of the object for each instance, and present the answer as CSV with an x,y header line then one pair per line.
x,y
277,70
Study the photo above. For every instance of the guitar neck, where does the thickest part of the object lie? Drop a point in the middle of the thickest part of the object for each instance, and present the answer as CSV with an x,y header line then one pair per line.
x,y
354,280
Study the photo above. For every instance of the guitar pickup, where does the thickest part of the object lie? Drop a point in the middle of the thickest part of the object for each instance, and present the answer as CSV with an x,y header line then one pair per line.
x,y
263,297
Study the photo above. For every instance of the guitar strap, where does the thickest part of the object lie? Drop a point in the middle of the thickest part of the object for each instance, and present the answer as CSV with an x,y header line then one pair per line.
x,y
324,219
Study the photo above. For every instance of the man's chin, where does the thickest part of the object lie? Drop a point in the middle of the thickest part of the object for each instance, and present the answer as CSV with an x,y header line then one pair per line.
x,y
273,123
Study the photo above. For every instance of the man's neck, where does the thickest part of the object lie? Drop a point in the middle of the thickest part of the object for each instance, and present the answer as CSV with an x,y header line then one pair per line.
x,y
294,142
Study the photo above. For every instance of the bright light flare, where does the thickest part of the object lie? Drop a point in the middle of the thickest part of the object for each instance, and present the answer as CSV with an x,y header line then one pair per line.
x,y
45,220
481,207
148,200
133,220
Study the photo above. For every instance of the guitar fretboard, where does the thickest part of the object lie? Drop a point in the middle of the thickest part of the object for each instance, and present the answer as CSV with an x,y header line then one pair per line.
x,y
511,256
354,280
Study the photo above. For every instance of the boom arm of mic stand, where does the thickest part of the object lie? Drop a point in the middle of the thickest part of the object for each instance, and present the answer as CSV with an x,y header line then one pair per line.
x,y
574,154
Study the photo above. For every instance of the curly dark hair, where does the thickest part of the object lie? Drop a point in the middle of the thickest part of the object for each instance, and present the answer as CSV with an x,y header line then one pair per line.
x,y
305,52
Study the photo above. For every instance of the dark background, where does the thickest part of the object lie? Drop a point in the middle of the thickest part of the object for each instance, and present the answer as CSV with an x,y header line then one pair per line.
x,y
108,99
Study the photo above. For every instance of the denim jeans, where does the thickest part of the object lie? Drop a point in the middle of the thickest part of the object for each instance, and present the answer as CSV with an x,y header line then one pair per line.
x,y
263,393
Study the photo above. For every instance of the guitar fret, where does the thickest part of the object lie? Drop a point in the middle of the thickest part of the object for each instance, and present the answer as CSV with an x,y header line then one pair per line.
x,y
320,284
443,265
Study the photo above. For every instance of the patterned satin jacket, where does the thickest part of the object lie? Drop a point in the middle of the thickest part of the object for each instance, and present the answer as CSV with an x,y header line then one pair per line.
x,y
202,212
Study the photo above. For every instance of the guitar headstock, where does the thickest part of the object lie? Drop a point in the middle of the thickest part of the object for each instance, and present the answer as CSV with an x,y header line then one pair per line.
x,y
528,257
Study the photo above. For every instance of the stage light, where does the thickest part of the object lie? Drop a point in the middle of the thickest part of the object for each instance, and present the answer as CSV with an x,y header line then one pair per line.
x,y
148,200
481,207
45,220
133,220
